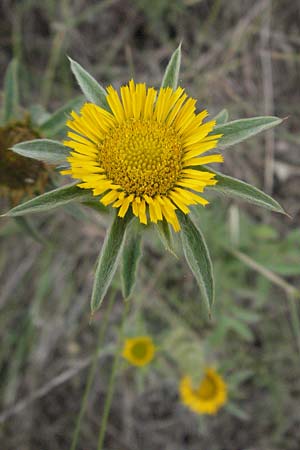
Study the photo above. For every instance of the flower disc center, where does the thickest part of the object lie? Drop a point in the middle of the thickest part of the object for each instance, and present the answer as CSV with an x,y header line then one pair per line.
x,y
17,172
142,156
207,388
139,350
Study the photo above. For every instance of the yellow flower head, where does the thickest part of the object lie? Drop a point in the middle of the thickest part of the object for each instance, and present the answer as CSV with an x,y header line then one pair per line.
x,y
19,176
141,153
139,351
206,398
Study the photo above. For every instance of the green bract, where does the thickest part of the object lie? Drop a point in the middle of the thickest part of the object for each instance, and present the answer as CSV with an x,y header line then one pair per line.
x,y
123,239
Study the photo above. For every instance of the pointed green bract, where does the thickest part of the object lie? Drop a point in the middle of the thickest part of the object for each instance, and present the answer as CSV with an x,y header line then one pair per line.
x,y
170,78
11,92
92,90
108,260
46,150
49,200
237,188
56,123
130,258
165,235
197,256
240,130
221,117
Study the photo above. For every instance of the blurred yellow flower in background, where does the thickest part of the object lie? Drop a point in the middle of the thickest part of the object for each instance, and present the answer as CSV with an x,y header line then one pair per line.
x,y
208,396
139,350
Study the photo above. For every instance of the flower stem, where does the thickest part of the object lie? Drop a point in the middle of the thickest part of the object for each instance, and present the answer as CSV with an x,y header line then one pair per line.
x,y
295,322
92,371
112,379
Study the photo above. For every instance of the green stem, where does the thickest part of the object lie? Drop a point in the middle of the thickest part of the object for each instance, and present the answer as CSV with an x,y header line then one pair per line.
x,y
112,379
295,322
92,372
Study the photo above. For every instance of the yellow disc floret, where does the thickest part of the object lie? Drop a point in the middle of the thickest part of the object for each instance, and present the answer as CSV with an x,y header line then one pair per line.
x,y
143,152
149,153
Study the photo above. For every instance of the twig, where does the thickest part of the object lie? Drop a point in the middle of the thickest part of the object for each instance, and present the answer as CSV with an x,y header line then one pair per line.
x,y
55,382
267,75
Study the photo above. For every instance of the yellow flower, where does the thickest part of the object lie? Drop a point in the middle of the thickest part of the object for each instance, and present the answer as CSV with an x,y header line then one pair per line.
x,y
19,176
206,398
139,351
142,153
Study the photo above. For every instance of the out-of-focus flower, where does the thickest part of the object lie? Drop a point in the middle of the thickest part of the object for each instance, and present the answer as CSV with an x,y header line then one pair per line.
x,y
139,350
206,397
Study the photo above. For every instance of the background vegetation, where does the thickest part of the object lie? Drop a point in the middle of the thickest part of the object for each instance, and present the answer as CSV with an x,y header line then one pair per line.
x,y
240,55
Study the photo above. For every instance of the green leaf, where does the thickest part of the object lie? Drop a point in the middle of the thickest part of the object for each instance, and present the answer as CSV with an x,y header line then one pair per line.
x,y
222,117
108,260
197,256
236,411
171,75
38,115
49,200
51,152
240,328
237,188
30,229
93,91
130,258
165,235
240,130
56,123
95,204
11,92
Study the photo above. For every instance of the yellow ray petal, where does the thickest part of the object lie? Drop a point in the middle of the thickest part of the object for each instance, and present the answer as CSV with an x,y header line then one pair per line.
x,y
115,104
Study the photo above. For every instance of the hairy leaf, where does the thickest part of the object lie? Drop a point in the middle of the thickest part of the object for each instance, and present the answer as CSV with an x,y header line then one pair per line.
x,y
46,150
49,200
170,78
240,130
222,117
237,188
11,92
56,123
93,91
197,256
130,259
108,260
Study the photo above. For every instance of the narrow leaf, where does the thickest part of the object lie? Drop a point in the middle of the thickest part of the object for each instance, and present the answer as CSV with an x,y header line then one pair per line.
x,y
49,200
38,115
237,188
171,75
222,117
240,130
30,229
233,409
165,236
56,123
93,91
51,152
11,92
197,256
108,260
95,204
130,259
